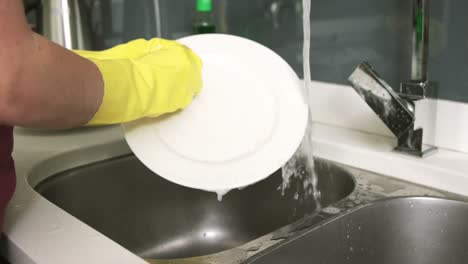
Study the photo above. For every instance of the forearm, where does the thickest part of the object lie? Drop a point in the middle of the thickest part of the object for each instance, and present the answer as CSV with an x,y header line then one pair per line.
x,y
42,84
55,88
45,85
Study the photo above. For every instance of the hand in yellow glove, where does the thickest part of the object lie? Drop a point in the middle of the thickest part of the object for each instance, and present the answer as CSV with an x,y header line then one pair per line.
x,y
145,79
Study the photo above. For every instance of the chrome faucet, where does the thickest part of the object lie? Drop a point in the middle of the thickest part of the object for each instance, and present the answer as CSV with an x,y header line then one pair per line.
x,y
408,113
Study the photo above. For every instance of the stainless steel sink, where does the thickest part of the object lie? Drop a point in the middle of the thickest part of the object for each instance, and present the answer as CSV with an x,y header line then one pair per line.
x,y
157,219
397,230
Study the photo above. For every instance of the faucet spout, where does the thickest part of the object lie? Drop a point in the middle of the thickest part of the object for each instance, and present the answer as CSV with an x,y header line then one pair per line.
x,y
420,36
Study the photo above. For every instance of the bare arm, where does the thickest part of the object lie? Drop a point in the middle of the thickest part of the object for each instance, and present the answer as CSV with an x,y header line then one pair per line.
x,y
42,84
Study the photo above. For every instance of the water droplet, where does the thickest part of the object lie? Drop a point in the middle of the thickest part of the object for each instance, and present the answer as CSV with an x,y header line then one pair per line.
x,y
351,249
331,210
429,211
54,228
221,193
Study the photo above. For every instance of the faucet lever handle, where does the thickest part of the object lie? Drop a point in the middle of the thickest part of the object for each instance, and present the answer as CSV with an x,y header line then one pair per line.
x,y
395,112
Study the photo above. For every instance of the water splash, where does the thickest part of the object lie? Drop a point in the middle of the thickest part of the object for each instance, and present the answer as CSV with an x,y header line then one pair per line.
x,y
301,165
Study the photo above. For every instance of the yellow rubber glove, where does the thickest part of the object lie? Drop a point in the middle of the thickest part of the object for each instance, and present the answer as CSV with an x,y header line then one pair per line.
x,y
145,79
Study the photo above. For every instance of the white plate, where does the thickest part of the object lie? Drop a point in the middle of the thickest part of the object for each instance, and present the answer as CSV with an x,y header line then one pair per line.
x,y
246,123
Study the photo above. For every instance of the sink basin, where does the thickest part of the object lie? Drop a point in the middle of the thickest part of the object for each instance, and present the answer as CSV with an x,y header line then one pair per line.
x,y
398,230
157,219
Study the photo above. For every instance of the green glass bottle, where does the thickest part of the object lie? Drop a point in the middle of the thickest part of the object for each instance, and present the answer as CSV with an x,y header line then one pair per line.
x,y
204,20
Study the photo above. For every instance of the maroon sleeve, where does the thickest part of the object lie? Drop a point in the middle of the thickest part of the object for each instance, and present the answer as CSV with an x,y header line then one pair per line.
x,y
7,169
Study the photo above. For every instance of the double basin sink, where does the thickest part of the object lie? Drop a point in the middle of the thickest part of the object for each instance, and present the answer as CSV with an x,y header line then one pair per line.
x,y
363,218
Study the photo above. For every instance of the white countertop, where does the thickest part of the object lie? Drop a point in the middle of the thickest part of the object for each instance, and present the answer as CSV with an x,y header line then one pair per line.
x,y
39,232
